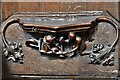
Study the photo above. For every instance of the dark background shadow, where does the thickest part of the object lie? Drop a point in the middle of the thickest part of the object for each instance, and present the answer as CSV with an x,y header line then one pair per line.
x,y
5,68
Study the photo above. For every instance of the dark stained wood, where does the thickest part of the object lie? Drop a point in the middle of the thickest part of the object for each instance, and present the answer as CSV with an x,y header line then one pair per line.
x,y
9,8
119,10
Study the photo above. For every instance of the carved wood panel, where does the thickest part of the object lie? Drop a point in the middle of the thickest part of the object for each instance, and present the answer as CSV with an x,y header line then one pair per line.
x,y
38,64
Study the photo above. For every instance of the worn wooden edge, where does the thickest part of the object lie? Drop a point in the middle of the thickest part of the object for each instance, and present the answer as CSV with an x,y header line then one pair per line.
x,y
61,77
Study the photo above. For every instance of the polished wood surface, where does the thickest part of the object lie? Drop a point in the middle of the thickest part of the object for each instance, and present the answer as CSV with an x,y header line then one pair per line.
x,y
9,8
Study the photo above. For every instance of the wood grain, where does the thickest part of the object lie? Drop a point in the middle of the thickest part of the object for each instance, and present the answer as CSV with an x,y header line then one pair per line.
x,y
9,8
119,10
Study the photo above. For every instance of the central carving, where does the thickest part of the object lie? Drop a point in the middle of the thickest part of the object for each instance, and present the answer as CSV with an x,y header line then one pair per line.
x,y
65,45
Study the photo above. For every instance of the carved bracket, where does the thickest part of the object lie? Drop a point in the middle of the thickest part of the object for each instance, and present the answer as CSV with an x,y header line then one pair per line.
x,y
63,41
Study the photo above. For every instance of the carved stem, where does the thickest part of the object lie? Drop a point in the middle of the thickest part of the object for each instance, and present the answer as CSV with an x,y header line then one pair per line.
x,y
4,28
